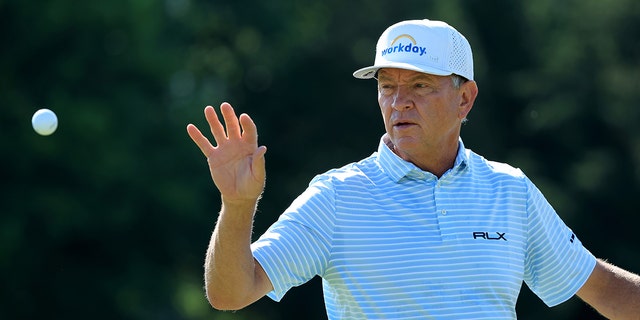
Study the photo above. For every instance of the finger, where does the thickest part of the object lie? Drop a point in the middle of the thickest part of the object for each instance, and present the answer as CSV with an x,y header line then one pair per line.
x,y
249,130
217,129
200,140
230,120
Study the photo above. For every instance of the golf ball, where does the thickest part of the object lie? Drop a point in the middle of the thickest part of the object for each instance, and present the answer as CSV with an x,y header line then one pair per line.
x,y
44,122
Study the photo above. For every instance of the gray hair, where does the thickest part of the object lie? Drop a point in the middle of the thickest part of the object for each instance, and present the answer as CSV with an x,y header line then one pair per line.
x,y
457,83
457,80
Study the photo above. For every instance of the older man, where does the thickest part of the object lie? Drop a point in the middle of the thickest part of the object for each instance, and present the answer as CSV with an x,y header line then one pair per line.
x,y
424,228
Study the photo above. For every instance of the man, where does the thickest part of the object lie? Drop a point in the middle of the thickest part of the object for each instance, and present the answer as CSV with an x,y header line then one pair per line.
x,y
422,229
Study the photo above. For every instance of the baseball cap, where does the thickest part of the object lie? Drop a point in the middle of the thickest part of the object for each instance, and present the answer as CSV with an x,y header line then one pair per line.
x,y
427,46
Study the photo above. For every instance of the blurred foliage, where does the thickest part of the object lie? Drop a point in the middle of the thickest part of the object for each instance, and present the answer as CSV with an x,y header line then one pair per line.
x,y
109,217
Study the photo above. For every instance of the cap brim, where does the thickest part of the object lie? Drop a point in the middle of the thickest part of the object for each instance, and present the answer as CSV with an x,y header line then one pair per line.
x,y
370,72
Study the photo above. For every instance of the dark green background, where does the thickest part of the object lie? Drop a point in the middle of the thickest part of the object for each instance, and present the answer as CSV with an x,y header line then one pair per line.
x,y
109,217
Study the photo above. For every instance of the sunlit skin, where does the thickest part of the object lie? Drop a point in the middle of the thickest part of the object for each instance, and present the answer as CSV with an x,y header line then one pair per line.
x,y
422,115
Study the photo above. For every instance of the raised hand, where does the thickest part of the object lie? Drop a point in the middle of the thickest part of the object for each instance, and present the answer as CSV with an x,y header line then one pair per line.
x,y
236,163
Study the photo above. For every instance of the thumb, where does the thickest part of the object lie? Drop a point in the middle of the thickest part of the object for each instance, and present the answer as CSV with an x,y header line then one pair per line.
x,y
258,162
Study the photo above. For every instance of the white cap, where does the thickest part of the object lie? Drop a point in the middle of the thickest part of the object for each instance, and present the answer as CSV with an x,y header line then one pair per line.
x,y
427,46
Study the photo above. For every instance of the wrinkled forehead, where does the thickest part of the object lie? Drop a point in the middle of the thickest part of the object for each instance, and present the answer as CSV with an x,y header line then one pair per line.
x,y
405,75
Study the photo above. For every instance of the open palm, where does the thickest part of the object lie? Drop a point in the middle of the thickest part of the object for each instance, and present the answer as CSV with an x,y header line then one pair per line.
x,y
236,162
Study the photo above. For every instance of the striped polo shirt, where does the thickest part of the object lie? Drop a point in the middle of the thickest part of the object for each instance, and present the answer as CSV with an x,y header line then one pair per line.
x,y
391,241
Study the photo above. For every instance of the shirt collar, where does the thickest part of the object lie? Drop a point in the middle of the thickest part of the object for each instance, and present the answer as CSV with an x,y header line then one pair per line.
x,y
397,168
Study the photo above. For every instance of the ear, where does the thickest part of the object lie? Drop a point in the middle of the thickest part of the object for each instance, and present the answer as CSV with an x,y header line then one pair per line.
x,y
468,94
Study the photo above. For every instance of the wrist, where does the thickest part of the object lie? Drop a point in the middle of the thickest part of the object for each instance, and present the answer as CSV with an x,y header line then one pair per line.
x,y
239,205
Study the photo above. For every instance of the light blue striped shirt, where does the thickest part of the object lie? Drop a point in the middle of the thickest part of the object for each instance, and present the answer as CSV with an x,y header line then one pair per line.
x,y
391,241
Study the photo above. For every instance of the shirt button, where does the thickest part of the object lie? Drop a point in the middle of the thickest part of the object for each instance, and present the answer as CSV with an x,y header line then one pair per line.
x,y
444,212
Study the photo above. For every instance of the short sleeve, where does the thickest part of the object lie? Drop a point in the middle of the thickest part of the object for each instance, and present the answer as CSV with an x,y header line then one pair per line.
x,y
297,246
556,263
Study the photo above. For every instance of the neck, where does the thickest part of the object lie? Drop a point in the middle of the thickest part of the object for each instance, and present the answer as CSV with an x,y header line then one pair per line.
x,y
436,160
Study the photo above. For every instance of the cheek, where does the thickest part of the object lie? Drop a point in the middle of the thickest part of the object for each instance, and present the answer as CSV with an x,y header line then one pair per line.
x,y
385,116
442,109
382,101
384,108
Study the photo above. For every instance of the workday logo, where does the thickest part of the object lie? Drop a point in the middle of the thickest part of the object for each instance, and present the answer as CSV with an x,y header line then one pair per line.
x,y
405,43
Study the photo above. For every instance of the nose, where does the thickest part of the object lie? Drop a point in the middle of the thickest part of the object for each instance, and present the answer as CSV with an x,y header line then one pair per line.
x,y
402,99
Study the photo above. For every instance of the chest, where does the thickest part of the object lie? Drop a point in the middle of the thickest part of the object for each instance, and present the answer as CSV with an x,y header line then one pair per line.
x,y
430,228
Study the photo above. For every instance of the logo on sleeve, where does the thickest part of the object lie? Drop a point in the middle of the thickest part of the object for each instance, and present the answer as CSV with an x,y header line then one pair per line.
x,y
489,236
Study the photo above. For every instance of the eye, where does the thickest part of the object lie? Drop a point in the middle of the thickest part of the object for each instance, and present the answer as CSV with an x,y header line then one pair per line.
x,y
423,88
385,88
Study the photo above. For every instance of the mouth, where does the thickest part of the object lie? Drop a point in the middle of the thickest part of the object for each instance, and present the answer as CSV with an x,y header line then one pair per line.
x,y
402,124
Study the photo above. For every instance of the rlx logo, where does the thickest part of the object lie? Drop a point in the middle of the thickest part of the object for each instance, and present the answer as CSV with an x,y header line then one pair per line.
x,y
487,236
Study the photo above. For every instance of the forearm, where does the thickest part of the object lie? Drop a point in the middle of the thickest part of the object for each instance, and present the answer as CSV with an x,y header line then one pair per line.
x,y
229,264
613,291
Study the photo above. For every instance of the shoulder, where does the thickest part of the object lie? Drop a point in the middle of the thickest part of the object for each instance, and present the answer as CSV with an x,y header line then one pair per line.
x,y
351,173
495,174
482,166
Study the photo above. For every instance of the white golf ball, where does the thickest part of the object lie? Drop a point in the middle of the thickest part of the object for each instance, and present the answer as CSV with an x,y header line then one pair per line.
x,y
44,122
